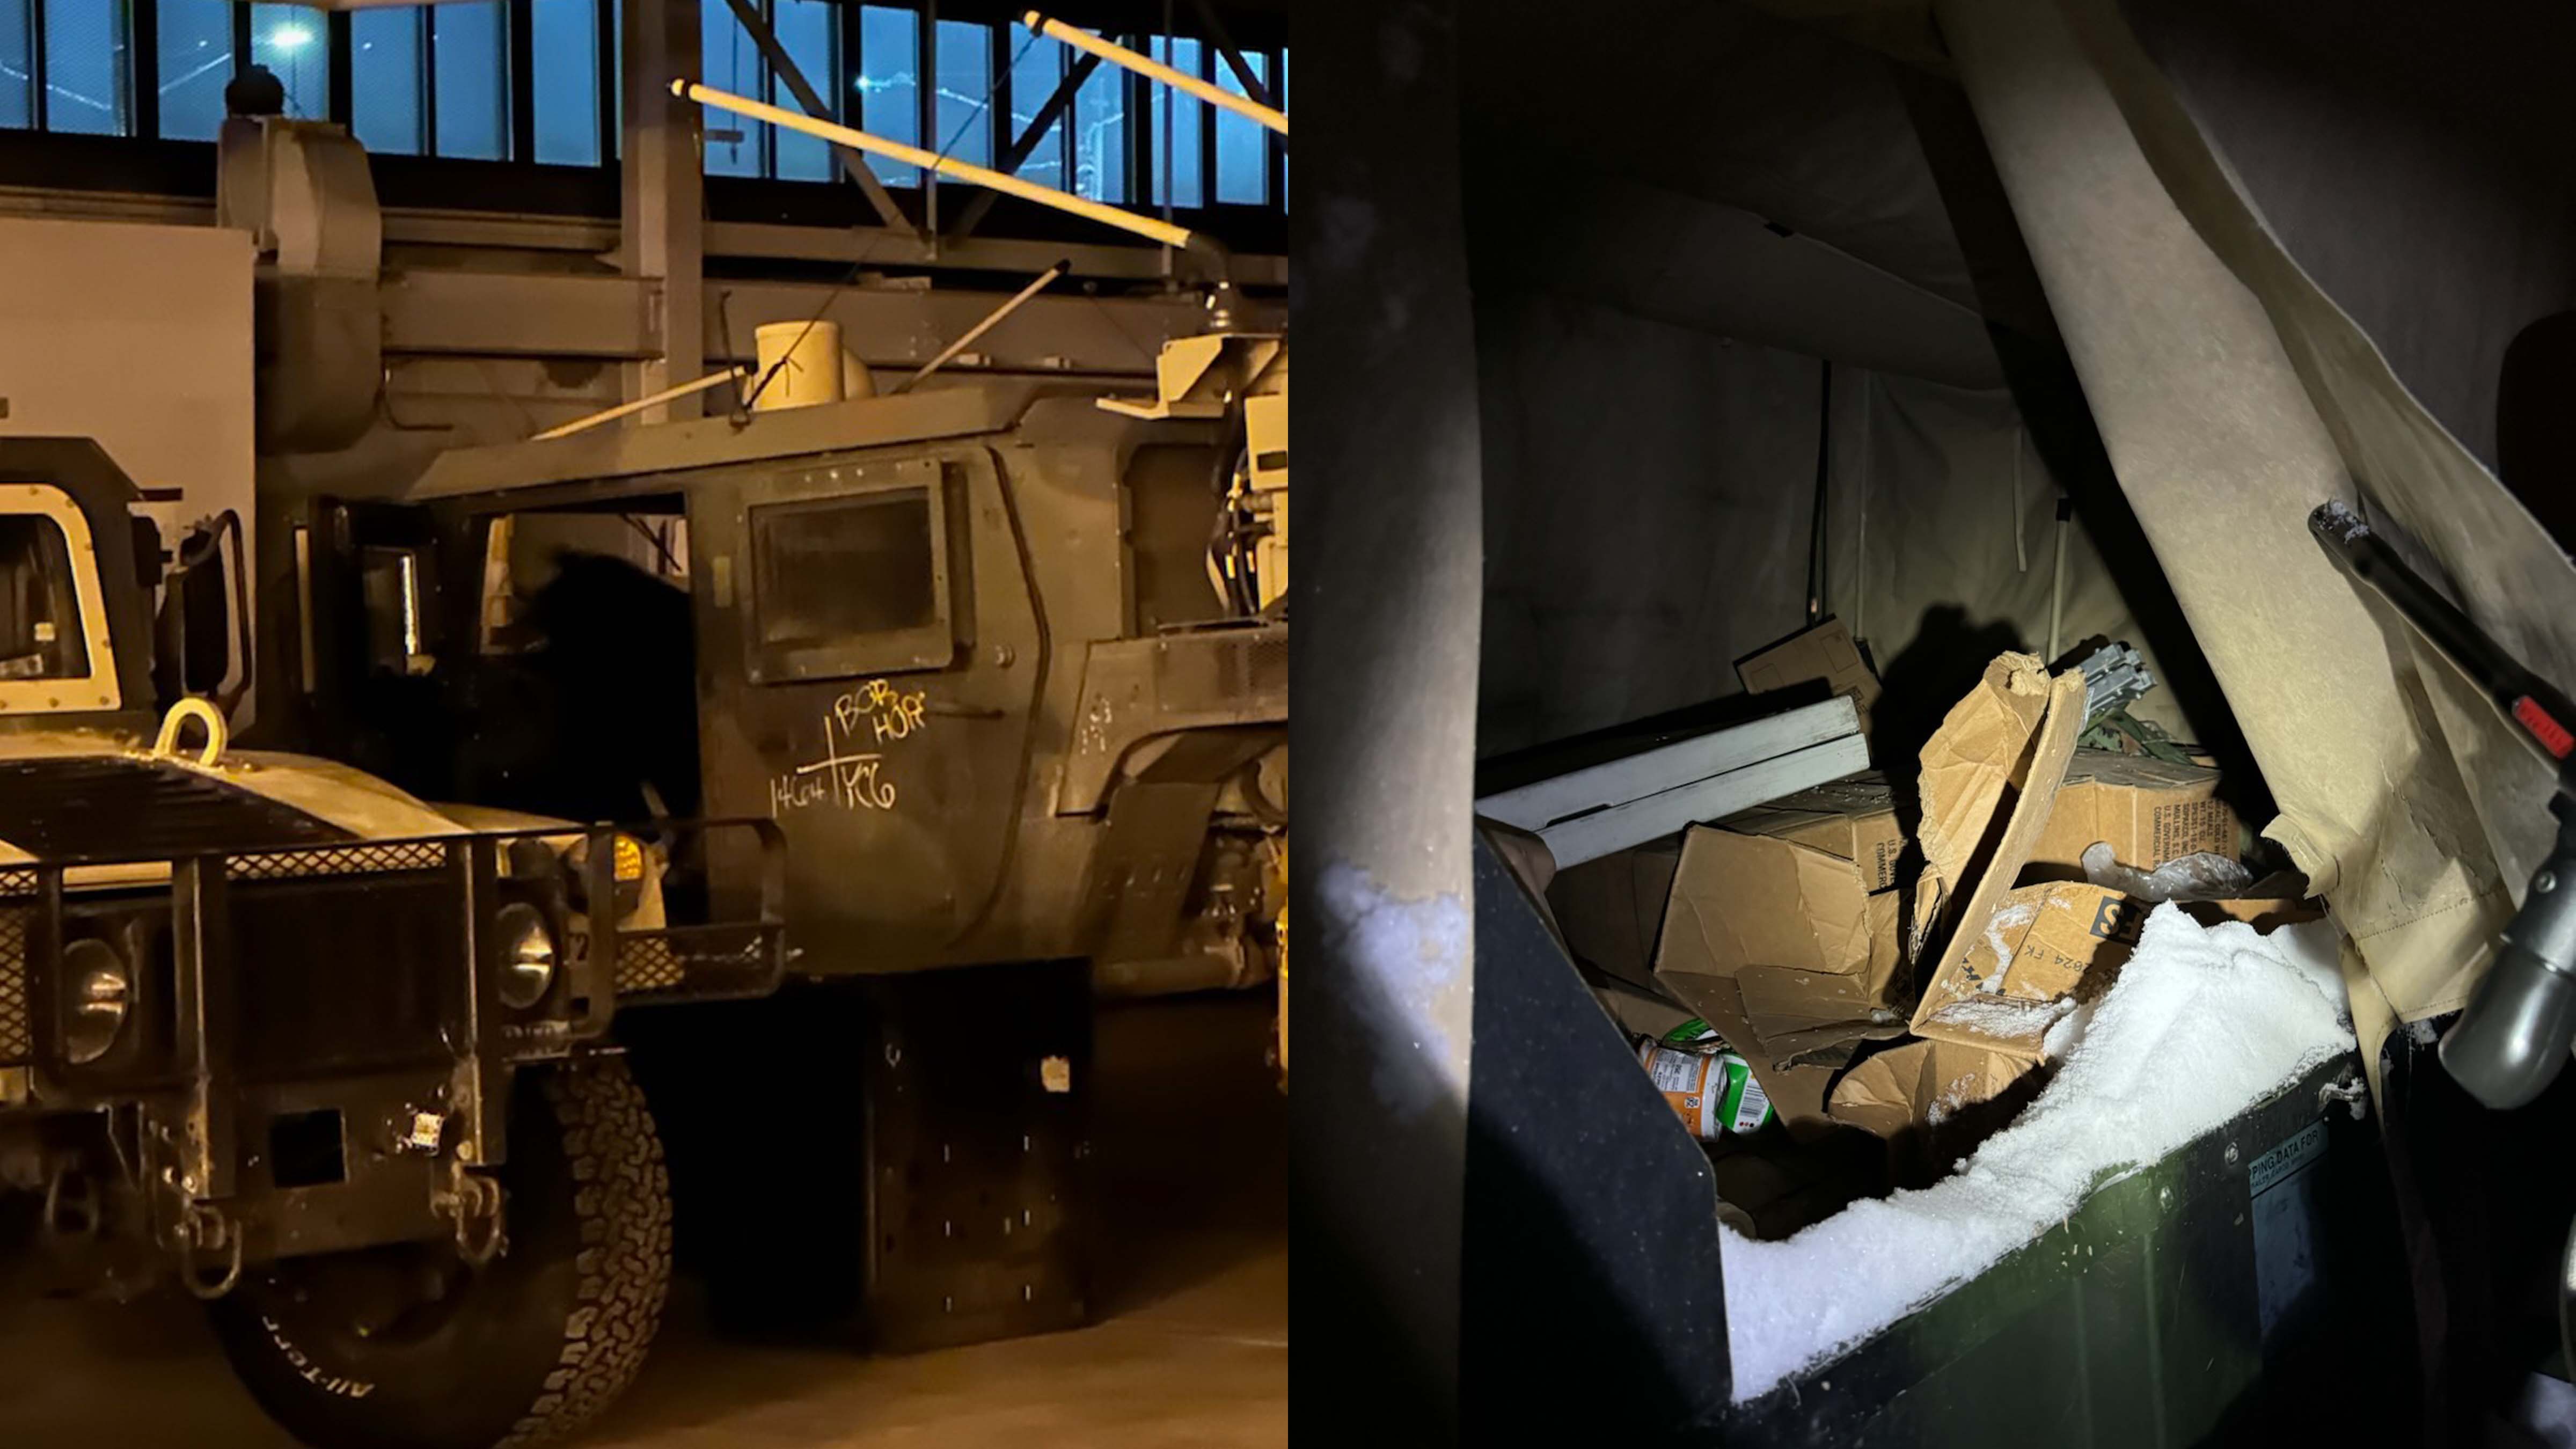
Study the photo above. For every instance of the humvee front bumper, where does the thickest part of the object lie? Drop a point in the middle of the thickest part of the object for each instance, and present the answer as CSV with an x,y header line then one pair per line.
x,y
306,1049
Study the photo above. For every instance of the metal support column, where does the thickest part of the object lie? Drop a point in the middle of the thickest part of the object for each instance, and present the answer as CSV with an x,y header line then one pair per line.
x,y
662,196
1388,599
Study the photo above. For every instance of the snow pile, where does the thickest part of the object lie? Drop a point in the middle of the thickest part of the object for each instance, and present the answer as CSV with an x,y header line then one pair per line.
x,y
2202,1023
2202,877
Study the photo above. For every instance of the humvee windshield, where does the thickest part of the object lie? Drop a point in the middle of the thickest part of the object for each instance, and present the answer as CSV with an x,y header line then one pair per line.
x,y
40,631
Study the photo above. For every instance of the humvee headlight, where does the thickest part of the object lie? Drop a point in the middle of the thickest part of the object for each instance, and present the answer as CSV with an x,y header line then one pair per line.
x,y
628,861
100,999
527,955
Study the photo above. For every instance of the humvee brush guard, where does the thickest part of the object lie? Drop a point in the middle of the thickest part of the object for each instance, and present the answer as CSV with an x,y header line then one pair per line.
x,y
324,1053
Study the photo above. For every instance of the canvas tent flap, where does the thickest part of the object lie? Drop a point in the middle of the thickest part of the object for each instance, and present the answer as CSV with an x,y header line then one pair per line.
x,y
1652,421
1648,506
2233,397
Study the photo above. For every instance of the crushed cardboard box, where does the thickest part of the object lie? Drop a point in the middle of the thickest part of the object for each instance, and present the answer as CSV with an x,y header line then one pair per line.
x,y
2000,749
1640,1012
1753,920
1921,1084
1610,910
1824,652
2022,969
2149,810
1764,901
1780,942
1852,819
2048,948
1986,749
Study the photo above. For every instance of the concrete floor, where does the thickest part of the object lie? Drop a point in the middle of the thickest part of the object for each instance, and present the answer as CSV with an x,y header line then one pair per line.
x,y
1192,1348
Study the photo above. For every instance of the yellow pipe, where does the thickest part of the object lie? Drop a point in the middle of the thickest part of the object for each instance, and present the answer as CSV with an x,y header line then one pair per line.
x,y
1151,69
585,423
1144,226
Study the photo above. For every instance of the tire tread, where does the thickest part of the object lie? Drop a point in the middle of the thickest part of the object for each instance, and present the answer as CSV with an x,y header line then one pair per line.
x,y
625,1210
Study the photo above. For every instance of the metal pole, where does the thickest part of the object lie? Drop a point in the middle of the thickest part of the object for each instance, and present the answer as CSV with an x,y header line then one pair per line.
x,y
1155,70
1817,548
668,394
1388,597
991,320
1144,226
2057,579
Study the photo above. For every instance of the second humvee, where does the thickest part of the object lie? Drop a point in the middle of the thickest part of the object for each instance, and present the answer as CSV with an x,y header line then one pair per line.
x,y
990,657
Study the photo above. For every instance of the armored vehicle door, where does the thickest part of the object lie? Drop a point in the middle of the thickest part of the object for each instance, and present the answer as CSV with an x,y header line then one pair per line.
x,y
872,653
369,633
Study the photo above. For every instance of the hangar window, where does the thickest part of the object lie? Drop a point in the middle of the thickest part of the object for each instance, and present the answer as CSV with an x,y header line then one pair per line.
x,y
295,44
386,110
535,81
1174,126
85,85
196,54
1036,70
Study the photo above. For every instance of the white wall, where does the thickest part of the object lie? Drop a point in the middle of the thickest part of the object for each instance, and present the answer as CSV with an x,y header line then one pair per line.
x,y
139,336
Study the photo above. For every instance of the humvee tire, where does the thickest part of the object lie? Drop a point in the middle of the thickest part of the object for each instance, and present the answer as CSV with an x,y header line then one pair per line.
x,y
407,1347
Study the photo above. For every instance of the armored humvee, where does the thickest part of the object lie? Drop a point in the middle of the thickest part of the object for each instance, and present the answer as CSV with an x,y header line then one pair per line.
x,y
961,645
330,1056
995,662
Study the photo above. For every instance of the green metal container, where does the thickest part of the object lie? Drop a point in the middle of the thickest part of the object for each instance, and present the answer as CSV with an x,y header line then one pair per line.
x,y
2249,1287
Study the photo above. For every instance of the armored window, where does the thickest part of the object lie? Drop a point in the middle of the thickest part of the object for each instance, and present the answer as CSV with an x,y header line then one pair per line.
x,y
855,584
40,625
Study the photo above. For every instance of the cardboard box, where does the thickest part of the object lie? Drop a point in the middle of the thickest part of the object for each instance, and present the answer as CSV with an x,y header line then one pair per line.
x,y
2048,948
1783,947
1758,924
1990,753
1611,910
2033,959
1921,1085
1824,652
1641,1012
2151,811
1754,900
2006,745
1852,819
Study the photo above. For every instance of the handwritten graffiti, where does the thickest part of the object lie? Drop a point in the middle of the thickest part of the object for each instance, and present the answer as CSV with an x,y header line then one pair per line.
x,y
890,714
851,773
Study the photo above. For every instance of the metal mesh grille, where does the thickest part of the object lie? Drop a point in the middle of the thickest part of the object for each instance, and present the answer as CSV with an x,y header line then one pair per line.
x,y
17,1034
708,960
342,860
648,963
17,1023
